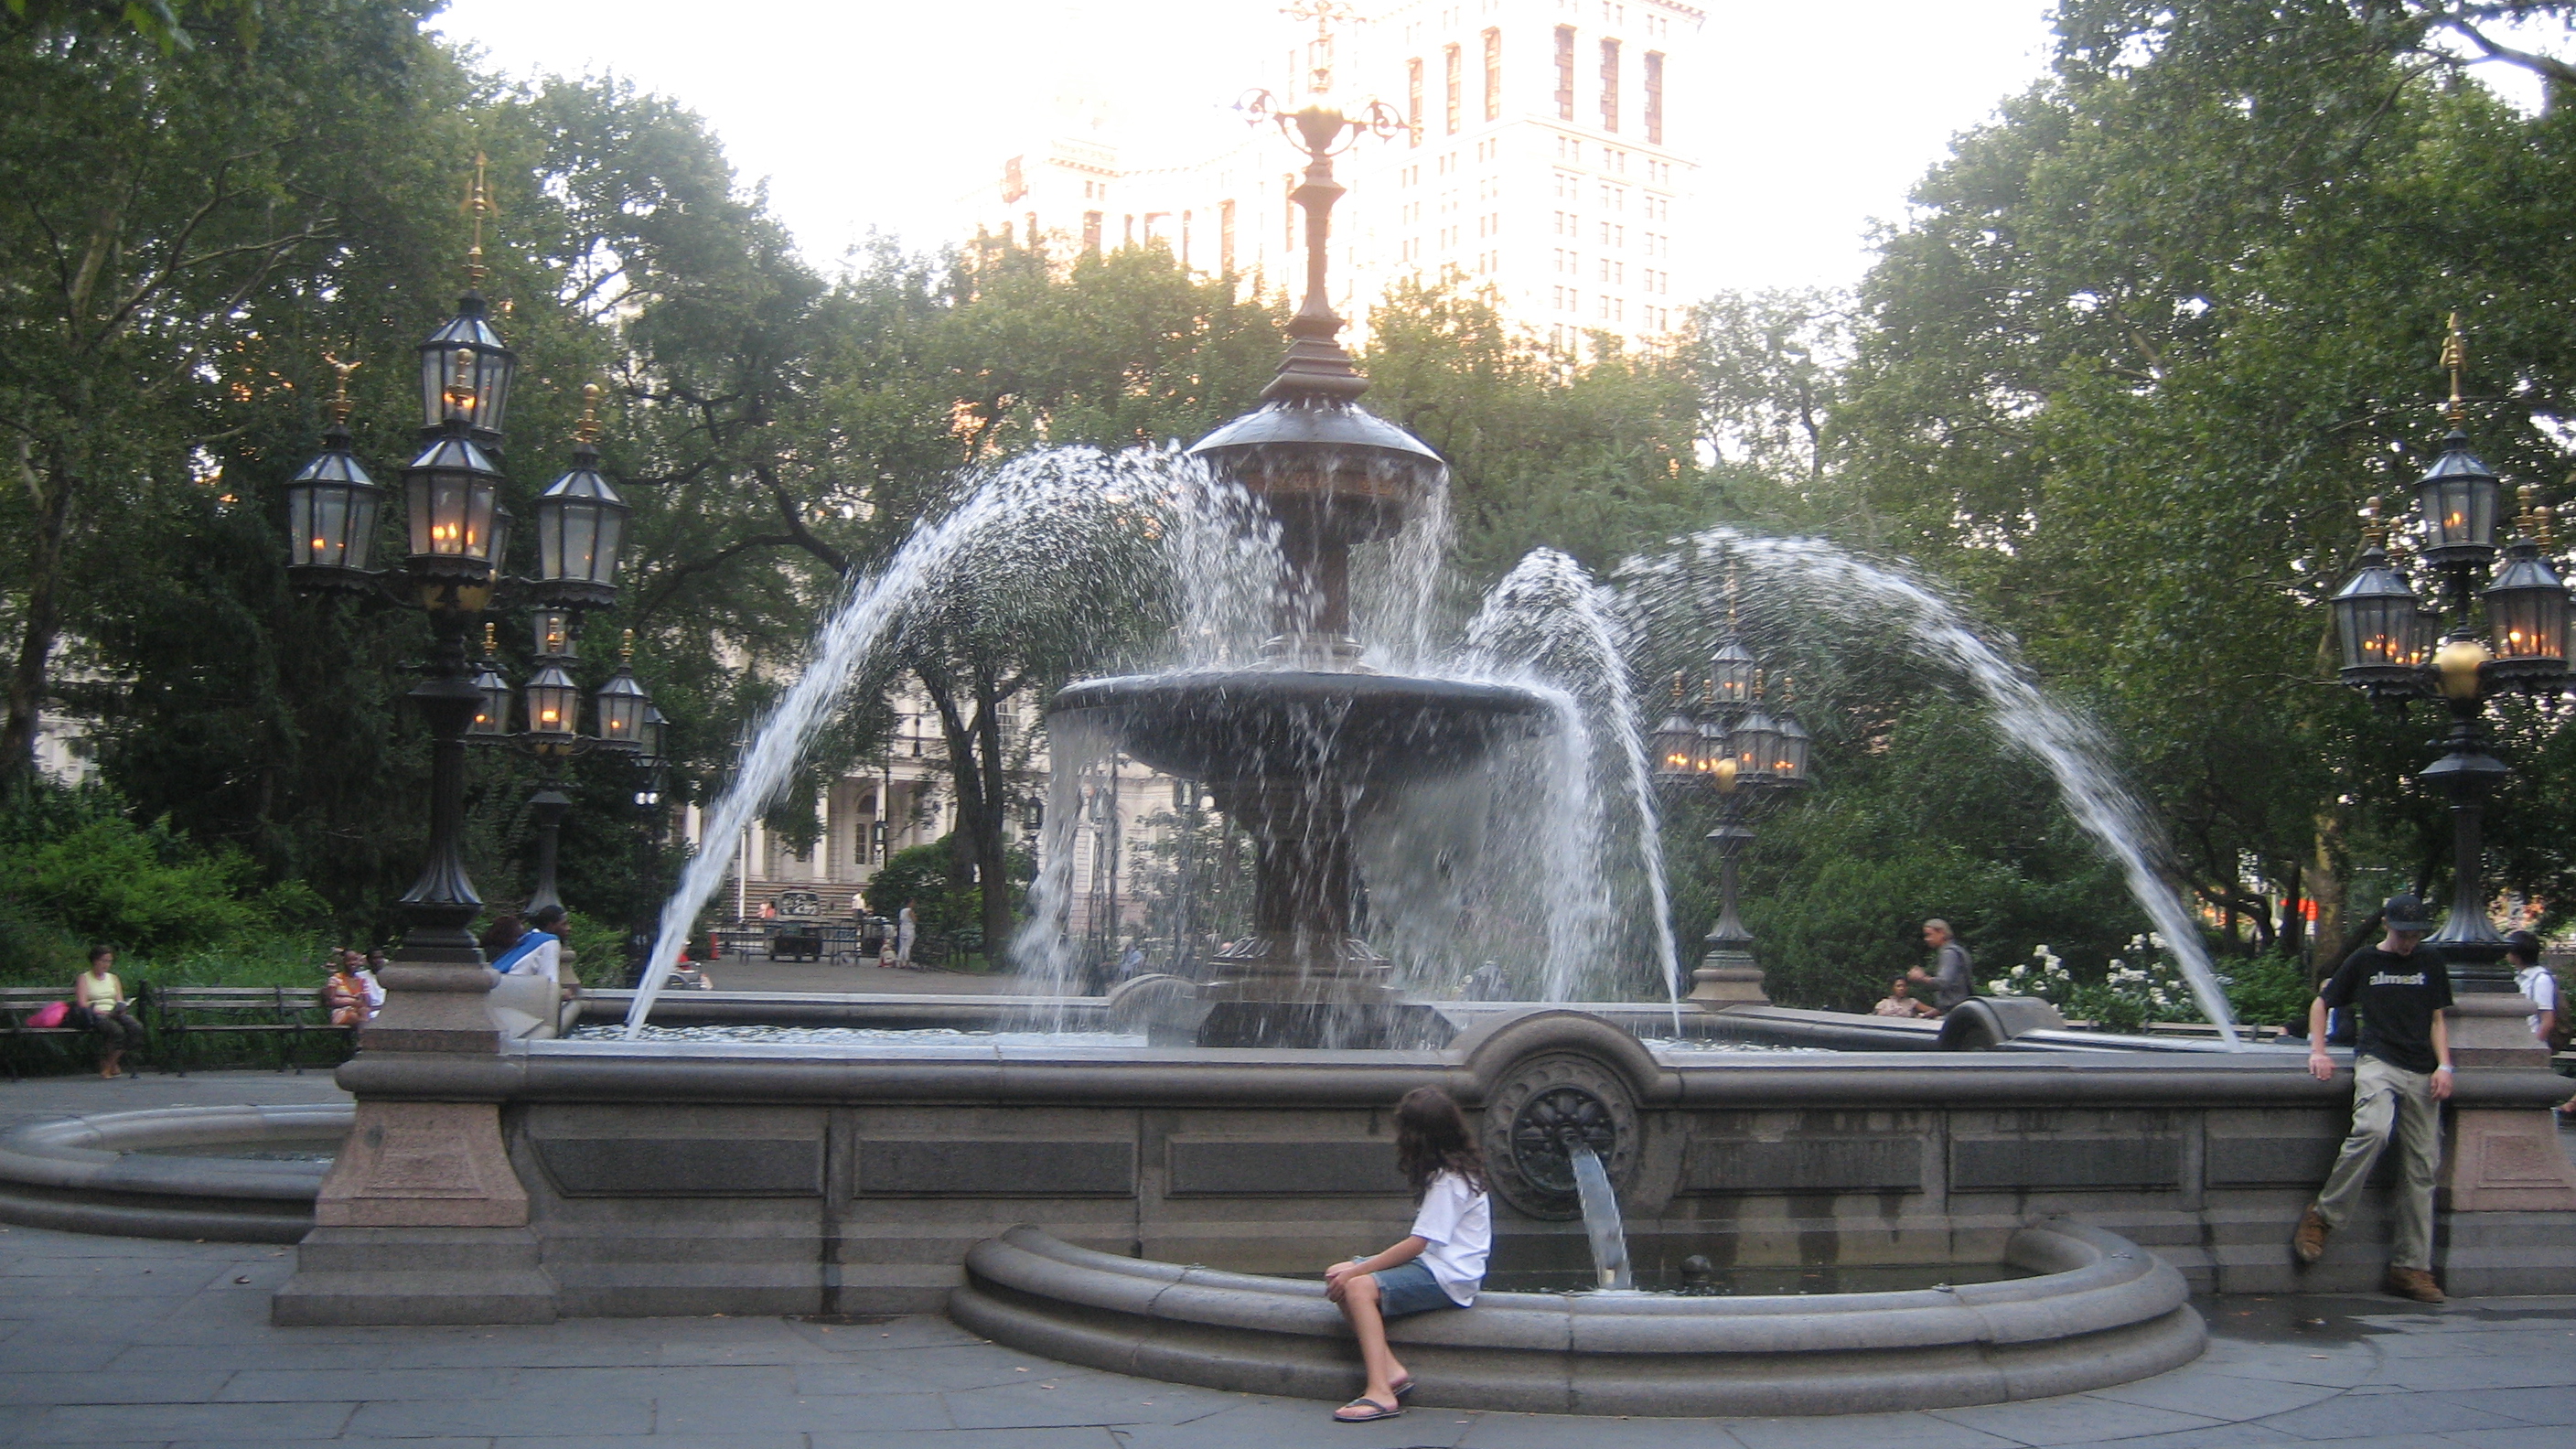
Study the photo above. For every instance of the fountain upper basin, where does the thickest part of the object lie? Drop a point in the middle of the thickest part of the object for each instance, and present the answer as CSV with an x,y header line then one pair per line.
x,y
1259,724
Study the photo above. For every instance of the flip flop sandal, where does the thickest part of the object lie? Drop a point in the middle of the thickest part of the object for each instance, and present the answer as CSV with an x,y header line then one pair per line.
x,y
1376,1411
1403,1389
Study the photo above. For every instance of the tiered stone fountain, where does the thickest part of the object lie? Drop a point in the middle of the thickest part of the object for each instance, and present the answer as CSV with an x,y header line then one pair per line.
x,y
1301,748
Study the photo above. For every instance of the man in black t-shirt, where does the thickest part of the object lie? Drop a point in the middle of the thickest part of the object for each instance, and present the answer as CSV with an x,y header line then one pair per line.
x,y
2401,1074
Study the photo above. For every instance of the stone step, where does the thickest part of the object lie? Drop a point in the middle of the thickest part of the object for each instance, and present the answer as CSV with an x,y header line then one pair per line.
x,y
511,1295
418,1250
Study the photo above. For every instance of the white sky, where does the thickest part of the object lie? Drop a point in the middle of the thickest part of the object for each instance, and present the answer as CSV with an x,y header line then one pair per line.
x,y
865,115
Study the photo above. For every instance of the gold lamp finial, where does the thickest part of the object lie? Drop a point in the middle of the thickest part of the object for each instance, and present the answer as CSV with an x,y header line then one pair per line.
x,y
491,639
626,648
1681,687
1757,686
2374,528
478,204
340,391
2544,529
2455,357
586,432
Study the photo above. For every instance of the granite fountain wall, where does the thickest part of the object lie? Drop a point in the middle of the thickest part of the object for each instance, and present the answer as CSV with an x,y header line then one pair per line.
x,y
664,1179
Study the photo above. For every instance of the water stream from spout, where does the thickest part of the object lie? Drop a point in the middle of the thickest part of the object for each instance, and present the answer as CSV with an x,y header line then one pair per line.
x,y
1025,516
1601,1222
1549,618
1825,580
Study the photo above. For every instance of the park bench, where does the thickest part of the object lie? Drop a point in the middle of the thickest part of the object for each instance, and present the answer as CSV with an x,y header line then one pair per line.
x,y
288,1013
17,1003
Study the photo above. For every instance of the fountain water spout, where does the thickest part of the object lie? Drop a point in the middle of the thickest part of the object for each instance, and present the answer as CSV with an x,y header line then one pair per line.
x,y
1601,1221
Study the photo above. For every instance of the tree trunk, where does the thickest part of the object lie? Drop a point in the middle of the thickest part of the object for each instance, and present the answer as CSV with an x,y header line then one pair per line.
x,y
977,769
2327,887
992,840
42,626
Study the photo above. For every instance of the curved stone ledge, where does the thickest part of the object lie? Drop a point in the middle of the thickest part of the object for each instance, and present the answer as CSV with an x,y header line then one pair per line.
x,y
71,1174
2103,1311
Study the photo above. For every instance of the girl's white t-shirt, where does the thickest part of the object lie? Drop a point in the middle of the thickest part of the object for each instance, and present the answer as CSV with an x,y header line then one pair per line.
x,y
1457,1222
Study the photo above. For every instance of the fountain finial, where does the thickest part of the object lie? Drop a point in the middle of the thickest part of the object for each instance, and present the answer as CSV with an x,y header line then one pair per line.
x,y
1317,369
2455,358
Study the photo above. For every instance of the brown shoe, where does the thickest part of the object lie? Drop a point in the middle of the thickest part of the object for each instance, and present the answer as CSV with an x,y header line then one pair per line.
x,y
2417,1284
2309,1243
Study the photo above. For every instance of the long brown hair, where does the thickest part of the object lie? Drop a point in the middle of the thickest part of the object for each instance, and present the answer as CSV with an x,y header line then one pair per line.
x,y
1431,1137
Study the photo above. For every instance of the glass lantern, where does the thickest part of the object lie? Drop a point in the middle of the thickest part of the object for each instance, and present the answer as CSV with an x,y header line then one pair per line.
x,y
554,705
2376,621
1756,744
2527,612
465,372
651,737
454,493
1730,676
622,708
331,511
1676,747
550,633
1789,756
581,526
1713,752
2457,497
492,716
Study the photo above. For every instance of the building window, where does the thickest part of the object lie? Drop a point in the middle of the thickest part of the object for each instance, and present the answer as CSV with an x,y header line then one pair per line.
x,y
1565,72
1452,75
1413,100
1225,235
1654,79
1091,231
1610,85
1493,74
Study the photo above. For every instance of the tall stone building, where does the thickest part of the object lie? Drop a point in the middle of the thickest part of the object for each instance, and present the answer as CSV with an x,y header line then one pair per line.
x,y
1540,154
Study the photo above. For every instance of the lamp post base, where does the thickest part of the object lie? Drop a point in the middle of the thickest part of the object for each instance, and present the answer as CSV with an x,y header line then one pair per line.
x,y
2502,1160
1726,979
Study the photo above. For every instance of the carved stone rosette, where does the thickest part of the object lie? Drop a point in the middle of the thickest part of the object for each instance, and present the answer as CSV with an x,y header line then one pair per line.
x,y
1537,1113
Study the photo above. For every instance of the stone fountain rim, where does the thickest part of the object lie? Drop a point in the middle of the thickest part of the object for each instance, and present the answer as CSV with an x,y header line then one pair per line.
x,y
2104,1311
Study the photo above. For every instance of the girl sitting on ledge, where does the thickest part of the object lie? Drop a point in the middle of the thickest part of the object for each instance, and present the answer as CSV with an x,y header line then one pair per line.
x,y
1438,1266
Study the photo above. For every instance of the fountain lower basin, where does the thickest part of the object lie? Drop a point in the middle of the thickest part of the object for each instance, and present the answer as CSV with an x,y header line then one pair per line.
x,y
207,1173
2100,1311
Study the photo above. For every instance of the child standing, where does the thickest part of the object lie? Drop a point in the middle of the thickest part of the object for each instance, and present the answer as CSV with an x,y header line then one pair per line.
x,y
1439,1265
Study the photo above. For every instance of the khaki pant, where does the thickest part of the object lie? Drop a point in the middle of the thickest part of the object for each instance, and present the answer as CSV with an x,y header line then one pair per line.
x,y
2386,1097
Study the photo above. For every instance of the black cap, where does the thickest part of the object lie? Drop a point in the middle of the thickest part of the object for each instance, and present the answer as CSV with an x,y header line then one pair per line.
x,y
2406,913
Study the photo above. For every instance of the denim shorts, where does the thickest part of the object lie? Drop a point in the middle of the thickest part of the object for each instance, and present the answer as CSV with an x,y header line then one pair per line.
x,y
1409,1288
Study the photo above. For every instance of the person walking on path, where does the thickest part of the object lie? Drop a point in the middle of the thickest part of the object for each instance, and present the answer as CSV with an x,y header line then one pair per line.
x,y
1440,1264
1950,981
99,1002
2401,1074
907,926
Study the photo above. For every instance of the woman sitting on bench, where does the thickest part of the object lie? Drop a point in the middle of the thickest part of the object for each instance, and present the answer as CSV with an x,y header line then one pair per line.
x,y
98,1002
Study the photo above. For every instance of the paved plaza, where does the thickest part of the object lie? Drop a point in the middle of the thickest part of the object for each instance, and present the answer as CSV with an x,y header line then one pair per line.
x,y
118,1341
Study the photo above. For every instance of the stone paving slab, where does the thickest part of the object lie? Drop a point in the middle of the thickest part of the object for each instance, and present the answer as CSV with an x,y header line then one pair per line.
x,y
107,1342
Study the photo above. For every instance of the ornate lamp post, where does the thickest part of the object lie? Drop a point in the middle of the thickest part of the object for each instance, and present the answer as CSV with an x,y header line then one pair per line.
x,y
1748,756
458,536
628,724
2396,648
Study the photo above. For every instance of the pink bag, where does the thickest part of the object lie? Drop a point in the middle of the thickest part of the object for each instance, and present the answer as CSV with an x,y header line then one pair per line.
x,y
49,1014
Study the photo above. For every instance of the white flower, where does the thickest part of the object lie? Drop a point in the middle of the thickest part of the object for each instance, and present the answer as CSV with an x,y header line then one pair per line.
x,y
2039,950
2000,987
2156,939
